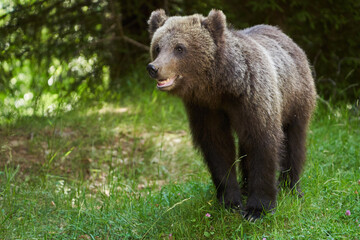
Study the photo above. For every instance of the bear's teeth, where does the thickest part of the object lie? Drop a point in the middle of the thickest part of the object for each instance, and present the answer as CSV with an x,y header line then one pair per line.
x,y
162,82
166,82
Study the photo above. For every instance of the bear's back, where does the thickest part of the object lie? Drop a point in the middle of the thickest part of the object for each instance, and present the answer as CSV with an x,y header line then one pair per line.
x,y
281,48
285,53
291,64
264,34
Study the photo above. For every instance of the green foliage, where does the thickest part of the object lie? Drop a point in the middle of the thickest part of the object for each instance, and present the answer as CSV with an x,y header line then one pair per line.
x,y
66,47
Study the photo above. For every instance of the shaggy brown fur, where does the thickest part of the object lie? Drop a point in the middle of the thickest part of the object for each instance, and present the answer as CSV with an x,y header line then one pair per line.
x,y
254,82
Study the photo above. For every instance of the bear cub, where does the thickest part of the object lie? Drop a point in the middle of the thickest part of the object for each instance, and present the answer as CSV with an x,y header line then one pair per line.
x,y
254,84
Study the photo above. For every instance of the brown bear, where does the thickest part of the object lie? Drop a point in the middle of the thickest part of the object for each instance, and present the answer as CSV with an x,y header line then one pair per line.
x,y
255,83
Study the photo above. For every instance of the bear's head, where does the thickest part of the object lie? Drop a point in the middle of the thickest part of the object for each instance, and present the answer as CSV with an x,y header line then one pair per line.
x,y
184,51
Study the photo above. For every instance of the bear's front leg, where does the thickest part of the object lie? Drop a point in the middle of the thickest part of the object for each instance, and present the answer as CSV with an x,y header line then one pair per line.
x,y
263,156
211,133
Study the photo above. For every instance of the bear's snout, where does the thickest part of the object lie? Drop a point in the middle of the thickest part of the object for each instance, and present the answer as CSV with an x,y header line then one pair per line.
x,y
153,71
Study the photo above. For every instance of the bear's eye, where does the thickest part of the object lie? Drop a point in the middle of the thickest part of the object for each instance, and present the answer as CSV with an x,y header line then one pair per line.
x,y
157,49
179,49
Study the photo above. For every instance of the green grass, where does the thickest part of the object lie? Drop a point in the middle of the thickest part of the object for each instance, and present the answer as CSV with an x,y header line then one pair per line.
x,y
127,170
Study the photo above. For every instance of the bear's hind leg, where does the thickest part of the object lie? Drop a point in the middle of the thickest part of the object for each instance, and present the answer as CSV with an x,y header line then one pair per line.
x,y
294,159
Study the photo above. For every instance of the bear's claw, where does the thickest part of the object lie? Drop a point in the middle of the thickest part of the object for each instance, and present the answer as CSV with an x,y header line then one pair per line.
x,y
252,214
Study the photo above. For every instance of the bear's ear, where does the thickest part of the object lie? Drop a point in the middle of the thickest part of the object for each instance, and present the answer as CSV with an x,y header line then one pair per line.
x,y
215,22
156,20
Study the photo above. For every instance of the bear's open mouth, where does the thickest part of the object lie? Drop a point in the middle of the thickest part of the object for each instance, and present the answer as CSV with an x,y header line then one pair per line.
x,y
164,83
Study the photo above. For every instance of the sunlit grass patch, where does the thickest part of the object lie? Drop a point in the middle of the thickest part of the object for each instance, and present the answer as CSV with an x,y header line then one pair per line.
x,y
138,138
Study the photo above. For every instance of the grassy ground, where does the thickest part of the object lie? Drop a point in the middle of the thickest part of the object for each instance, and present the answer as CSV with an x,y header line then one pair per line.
x,y
128,171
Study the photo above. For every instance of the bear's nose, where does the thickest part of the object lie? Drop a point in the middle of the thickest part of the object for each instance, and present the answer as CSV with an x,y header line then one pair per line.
x,y
152,70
